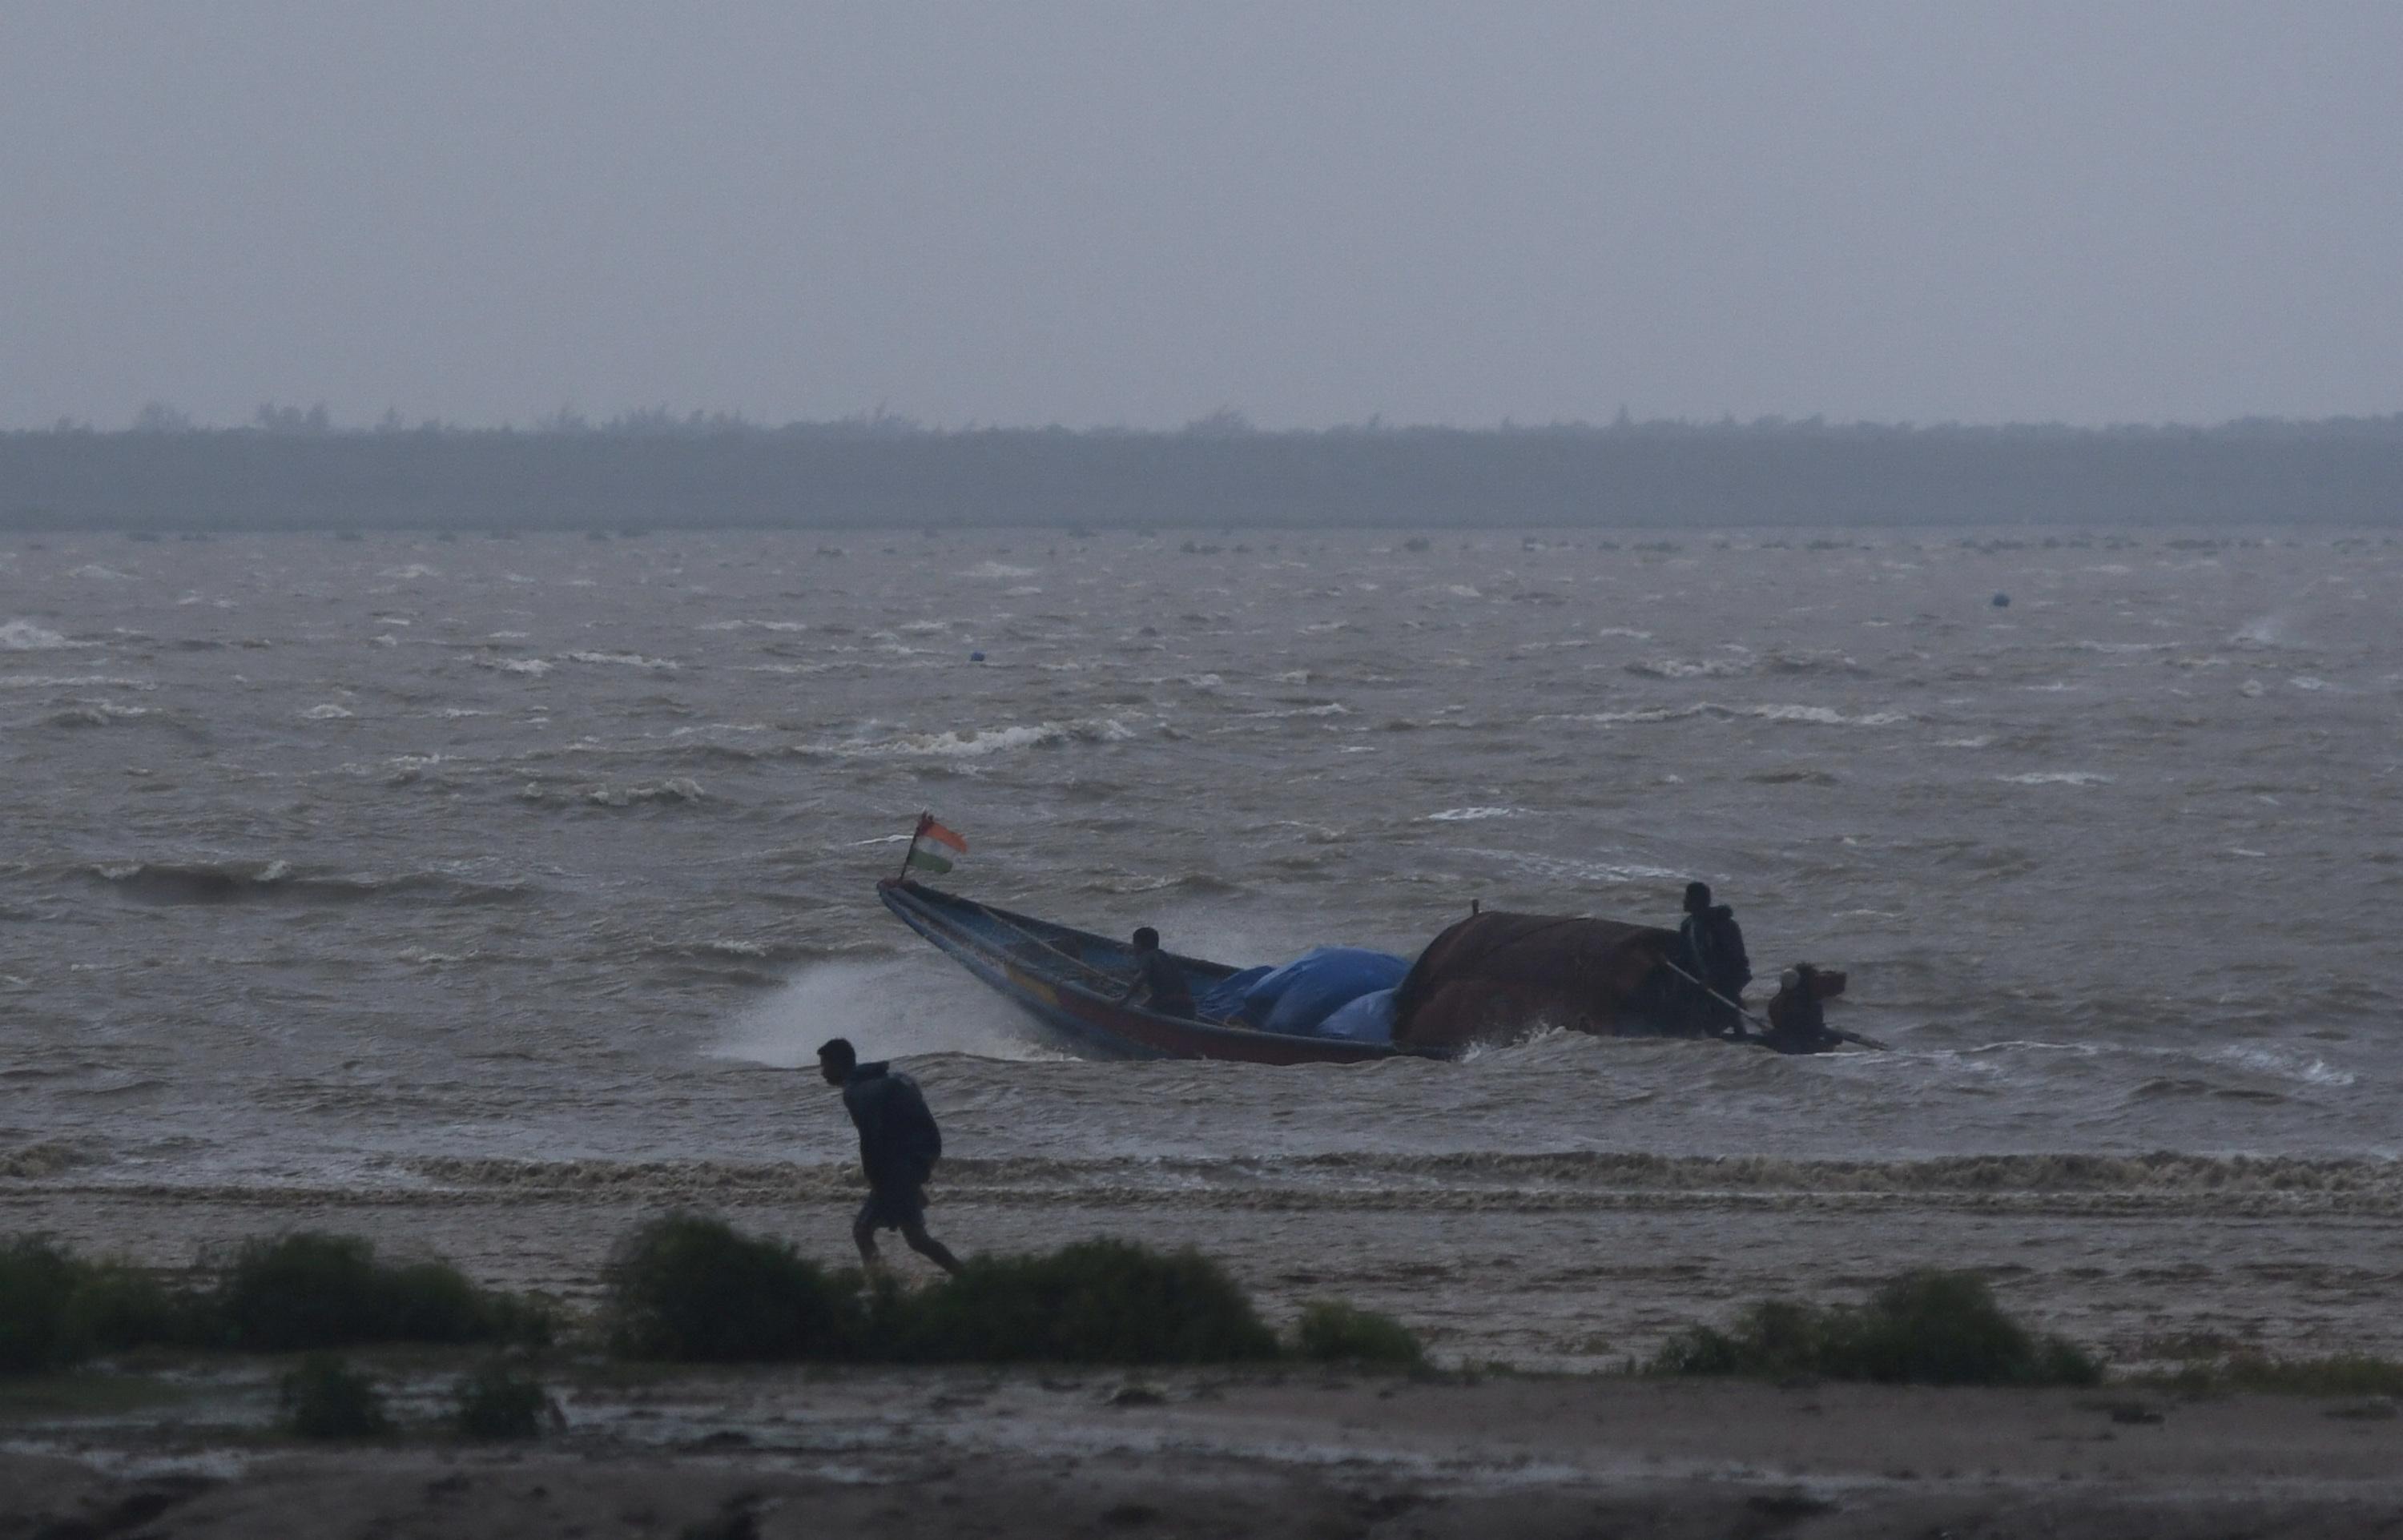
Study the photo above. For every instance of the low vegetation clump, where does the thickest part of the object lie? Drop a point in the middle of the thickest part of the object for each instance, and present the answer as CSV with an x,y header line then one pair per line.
x,y
325,1397
496,1403
1334,1332
312,1290
682,1288
695,1289
57,1309
1927,1327
1094,1302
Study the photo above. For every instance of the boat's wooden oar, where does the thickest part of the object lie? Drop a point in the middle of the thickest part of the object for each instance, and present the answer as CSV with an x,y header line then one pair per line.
x,y
1861,1039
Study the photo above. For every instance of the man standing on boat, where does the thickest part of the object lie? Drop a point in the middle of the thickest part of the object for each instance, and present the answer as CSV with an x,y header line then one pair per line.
x,y
1714,947
899,1146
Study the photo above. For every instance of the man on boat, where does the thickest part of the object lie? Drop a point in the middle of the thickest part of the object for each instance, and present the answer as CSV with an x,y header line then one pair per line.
x,y
1798,1018
899,1146
1713,948
1158,978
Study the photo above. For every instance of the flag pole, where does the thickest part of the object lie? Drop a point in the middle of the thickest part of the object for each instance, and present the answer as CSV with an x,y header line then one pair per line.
x,y
923,819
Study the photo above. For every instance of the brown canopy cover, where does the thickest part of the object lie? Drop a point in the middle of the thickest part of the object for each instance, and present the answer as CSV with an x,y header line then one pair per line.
x,y
1496,974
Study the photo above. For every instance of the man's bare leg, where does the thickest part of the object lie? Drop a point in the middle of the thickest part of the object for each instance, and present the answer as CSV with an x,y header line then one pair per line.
x,y
863,1231
928,1247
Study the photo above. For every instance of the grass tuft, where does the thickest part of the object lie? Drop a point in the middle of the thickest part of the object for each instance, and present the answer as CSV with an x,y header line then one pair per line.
x,y
496,1403
324,1397
1926,1328
1094,1302
312,1290
1334,1331
694,1289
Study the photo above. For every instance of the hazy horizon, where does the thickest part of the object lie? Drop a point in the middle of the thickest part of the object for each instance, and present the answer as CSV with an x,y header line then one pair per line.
x,y
1101,215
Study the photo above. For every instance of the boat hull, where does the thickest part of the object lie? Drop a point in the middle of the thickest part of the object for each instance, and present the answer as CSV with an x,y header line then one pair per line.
x,y
1067,980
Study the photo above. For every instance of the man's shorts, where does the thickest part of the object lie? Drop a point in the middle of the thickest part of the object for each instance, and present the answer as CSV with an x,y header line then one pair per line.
x,y
894,1207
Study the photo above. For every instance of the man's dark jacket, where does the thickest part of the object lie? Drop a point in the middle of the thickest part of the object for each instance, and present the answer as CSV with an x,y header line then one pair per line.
x,y
1714,946
898,1141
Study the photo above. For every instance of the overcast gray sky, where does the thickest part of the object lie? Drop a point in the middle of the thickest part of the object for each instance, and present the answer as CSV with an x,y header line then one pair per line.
x,y
1114,213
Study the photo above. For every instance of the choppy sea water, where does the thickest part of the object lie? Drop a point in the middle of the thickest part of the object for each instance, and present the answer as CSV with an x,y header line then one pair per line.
x,y
489,866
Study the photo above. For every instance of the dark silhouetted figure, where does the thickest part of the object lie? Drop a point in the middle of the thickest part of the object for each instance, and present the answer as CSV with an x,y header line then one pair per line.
x,y
1158,978
1714,947
1798,1014
899,1146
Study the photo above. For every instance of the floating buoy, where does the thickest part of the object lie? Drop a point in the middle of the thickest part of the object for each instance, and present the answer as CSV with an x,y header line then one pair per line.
x,y
976,658
2002,601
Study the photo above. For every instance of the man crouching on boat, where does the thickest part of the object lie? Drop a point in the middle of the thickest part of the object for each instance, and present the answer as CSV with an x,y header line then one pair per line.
x,y
1158,978
899,1146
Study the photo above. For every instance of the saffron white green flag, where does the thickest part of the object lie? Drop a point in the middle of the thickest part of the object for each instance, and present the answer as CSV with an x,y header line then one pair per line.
x,y
931,848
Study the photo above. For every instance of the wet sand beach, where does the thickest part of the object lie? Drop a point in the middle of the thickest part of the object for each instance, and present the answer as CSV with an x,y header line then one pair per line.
x,y
1310,1455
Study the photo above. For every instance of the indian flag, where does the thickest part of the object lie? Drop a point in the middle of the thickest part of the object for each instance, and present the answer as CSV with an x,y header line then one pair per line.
x,y
931,848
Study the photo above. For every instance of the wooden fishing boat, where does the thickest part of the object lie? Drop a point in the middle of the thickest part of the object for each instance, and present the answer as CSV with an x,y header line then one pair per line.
x,y
1071,982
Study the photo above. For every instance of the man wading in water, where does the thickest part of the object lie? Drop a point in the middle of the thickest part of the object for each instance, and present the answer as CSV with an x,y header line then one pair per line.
x,y
899,1146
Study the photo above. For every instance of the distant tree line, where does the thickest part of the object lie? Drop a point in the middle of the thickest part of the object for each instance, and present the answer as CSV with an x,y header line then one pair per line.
x,y
293,469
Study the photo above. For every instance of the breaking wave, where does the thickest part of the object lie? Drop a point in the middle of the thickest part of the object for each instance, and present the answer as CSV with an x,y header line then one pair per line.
x,y
1820,716
678,788
981,742
94,714
25,636
1680,668
2057,778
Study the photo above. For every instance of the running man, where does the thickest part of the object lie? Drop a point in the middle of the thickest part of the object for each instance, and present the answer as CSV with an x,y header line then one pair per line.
x,y
899,1146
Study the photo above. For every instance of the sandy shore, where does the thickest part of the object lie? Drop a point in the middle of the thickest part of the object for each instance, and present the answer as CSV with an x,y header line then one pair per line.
x,y
1314,1456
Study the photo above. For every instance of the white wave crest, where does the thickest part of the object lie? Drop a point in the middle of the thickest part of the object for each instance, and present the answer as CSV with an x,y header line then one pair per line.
x,y
625,660
988,741
681,788
2058,778
73,681
96,714
1682,668
328,713
25,636
1818,716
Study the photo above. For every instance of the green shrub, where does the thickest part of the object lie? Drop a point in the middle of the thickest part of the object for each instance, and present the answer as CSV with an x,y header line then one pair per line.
x,y
123,1307
312,1290
327,1398
57,1310
1926,1328
496,1403
1097,1301
690,1288
1333,1331
38,1330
